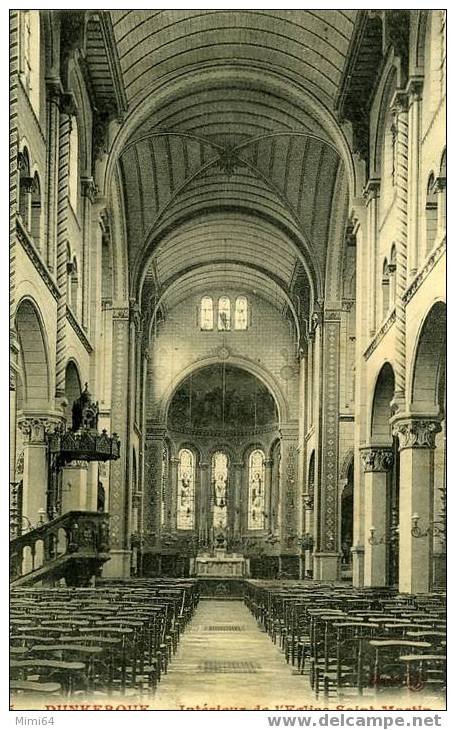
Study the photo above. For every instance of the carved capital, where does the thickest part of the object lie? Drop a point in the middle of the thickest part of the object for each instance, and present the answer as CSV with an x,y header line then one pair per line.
x,y
35,428
416,432
371,190
68,104
377,458
439,184
88,188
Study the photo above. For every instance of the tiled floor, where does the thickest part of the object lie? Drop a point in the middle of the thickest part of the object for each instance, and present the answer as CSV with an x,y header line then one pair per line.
x,y
225,659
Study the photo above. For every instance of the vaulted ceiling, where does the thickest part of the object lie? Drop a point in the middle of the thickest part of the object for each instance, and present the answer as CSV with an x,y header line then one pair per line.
x,y
224,171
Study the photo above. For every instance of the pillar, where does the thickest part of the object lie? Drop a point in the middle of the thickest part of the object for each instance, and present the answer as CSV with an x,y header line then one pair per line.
x,y
172,502
416,436
153,460
35,470
237,499
74,486
205,512
88,190
371,194
377,461
400,109
289,497
119,564
67,110
414,197
54,91
327,557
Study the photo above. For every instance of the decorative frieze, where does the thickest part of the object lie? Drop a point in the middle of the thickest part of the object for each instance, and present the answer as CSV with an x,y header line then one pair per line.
x,y
416,432
376,458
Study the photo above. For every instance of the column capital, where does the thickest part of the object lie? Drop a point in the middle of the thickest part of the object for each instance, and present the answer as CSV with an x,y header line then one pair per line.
x,y
371,190
439,184
416,431
35,428
414,88
68,104
88,188
54,88
377,458
399,103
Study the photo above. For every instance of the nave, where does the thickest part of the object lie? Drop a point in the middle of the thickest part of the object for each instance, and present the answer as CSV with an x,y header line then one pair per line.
x,y
225,662
283,645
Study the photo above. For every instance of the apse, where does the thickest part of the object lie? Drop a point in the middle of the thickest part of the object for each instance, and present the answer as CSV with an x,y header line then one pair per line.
x,y
222,398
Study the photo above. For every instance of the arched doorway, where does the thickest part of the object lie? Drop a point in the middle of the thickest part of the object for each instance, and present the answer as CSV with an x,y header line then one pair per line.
x,y
346,522
381,495
428,398
28,502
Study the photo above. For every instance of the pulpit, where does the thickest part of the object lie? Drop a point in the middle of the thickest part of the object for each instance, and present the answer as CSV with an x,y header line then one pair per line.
x,y
220,564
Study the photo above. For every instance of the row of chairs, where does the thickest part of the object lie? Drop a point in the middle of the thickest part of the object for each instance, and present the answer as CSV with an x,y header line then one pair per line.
x,y
114,639
355,641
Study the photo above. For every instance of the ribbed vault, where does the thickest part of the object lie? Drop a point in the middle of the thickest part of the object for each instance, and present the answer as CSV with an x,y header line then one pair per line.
x,y
237,174
309,45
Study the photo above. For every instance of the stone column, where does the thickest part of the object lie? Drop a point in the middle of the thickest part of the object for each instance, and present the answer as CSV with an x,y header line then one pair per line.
x,y
67,110
174,471
371,194
54,92
238,501
74,486
416,435
327,558
35,471
153,460
268,496
14,353
400,108
206,514
289,494
414,90
377,461
119,564
88,191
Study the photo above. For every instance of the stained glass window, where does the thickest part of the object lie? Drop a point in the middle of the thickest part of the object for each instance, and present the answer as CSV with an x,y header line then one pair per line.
x,y
207,313
219,484
256,490
224,313
186,490
240,314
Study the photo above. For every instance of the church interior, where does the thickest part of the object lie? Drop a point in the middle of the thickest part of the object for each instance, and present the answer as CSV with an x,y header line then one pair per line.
x,y
227,356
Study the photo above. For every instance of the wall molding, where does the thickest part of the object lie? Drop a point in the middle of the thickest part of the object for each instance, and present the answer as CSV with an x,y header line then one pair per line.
x,y
386,326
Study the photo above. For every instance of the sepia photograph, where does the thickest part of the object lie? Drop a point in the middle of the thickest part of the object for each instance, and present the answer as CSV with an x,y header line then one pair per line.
x,y
227,360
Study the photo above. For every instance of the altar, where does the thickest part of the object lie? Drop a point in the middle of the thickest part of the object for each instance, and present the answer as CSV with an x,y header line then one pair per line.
x,y
220,564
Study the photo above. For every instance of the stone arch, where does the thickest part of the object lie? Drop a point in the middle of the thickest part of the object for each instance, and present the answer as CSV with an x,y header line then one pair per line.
x,y
33,355
244,364
346,463
381,120
73,387
380,429
429,360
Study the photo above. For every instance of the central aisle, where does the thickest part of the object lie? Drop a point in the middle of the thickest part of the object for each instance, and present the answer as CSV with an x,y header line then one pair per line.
x,y
225,659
